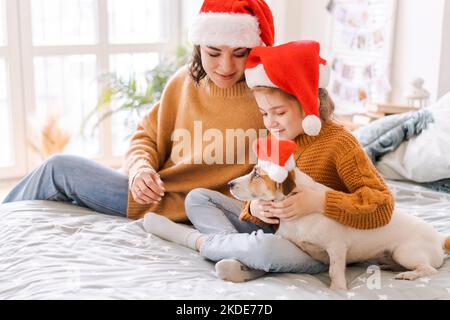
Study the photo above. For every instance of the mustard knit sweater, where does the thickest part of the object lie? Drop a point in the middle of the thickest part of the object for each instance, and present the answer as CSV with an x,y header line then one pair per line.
x,y
182,104
334,158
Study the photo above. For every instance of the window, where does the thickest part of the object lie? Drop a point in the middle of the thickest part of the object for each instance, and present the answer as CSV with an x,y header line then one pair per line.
x,y
66,86
361,45
5,129
126,65
2,23
141,23
12,160
59,22
65,47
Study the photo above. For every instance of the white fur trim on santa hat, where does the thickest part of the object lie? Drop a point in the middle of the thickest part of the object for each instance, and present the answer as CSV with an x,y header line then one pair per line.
x,y
312,125
257,77
225,29
290,163
324,76
274,171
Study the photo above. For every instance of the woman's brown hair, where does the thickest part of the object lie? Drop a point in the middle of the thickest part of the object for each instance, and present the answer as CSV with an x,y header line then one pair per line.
x,y
326,107
196,70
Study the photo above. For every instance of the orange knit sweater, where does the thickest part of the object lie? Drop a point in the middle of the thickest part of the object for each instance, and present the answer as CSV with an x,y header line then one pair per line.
x,y
182,105
334,158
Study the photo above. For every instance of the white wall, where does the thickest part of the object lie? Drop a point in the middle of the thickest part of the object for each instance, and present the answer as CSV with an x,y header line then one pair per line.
x,y
418,44
444,79
421,41
307,20
302,20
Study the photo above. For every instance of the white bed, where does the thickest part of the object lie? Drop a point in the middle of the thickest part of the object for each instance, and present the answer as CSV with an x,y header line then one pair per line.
x,y
55,251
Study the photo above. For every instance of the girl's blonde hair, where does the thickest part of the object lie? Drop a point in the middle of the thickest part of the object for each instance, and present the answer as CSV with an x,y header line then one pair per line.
x,y
326,107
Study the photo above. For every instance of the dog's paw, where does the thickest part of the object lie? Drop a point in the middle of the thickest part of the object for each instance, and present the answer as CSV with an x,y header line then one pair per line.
x,y
409,275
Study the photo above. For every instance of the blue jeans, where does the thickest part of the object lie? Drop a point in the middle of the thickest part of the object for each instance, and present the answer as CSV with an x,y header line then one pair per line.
x,y
217,215
75,180
387,134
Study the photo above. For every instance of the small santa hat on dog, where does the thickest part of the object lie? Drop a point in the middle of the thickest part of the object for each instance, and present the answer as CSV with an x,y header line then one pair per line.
x,y
295,68
276,157
233,23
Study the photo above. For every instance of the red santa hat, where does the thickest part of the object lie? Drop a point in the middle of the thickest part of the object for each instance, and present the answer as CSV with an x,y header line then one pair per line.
x,y
295,68
233,23
276,157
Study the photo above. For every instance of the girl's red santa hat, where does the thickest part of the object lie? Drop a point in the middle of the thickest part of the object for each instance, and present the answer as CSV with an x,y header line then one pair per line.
x,y
275,157
233,23
295,68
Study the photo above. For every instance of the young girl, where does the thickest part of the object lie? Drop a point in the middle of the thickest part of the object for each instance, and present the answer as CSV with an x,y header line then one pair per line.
x,y
291,98
212,91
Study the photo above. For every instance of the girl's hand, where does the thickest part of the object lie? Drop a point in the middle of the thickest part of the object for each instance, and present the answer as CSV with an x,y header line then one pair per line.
x,y
260,209
301,202
147,187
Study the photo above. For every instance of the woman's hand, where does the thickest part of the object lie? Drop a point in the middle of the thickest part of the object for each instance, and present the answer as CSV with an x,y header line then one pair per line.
x,y
147,187
260,209
301,202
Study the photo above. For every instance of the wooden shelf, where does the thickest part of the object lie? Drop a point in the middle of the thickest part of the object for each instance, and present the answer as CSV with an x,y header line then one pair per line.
x,y
389,108
371,113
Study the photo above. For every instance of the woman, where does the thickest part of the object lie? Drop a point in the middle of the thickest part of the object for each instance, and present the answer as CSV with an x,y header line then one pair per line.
x,y
210,94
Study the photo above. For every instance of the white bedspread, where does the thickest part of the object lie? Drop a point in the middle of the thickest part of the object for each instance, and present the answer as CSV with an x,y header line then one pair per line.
x,y
55,251
424,158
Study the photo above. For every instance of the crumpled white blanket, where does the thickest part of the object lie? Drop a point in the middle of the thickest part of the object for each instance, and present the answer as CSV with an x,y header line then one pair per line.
x,y
426,157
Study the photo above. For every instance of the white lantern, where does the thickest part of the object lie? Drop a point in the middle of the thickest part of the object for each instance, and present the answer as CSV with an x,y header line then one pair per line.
x,y
416,95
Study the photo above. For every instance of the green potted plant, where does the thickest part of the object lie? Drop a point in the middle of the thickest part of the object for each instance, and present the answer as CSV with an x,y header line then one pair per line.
x,y
126,95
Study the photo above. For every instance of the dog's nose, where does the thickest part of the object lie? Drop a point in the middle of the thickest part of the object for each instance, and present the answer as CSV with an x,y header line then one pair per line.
x,y
231,184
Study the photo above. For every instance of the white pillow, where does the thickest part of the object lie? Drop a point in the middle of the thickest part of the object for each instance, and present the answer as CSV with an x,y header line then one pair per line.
x,y
426,157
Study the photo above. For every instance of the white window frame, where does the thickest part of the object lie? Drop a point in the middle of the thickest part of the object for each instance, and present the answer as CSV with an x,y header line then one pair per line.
x,y
21,52
14,93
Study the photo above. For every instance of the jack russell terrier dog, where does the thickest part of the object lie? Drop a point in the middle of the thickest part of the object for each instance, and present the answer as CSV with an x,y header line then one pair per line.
x,y
407,241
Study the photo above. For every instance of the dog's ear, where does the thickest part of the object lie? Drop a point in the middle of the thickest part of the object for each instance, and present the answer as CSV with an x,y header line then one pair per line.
x,y
289,184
